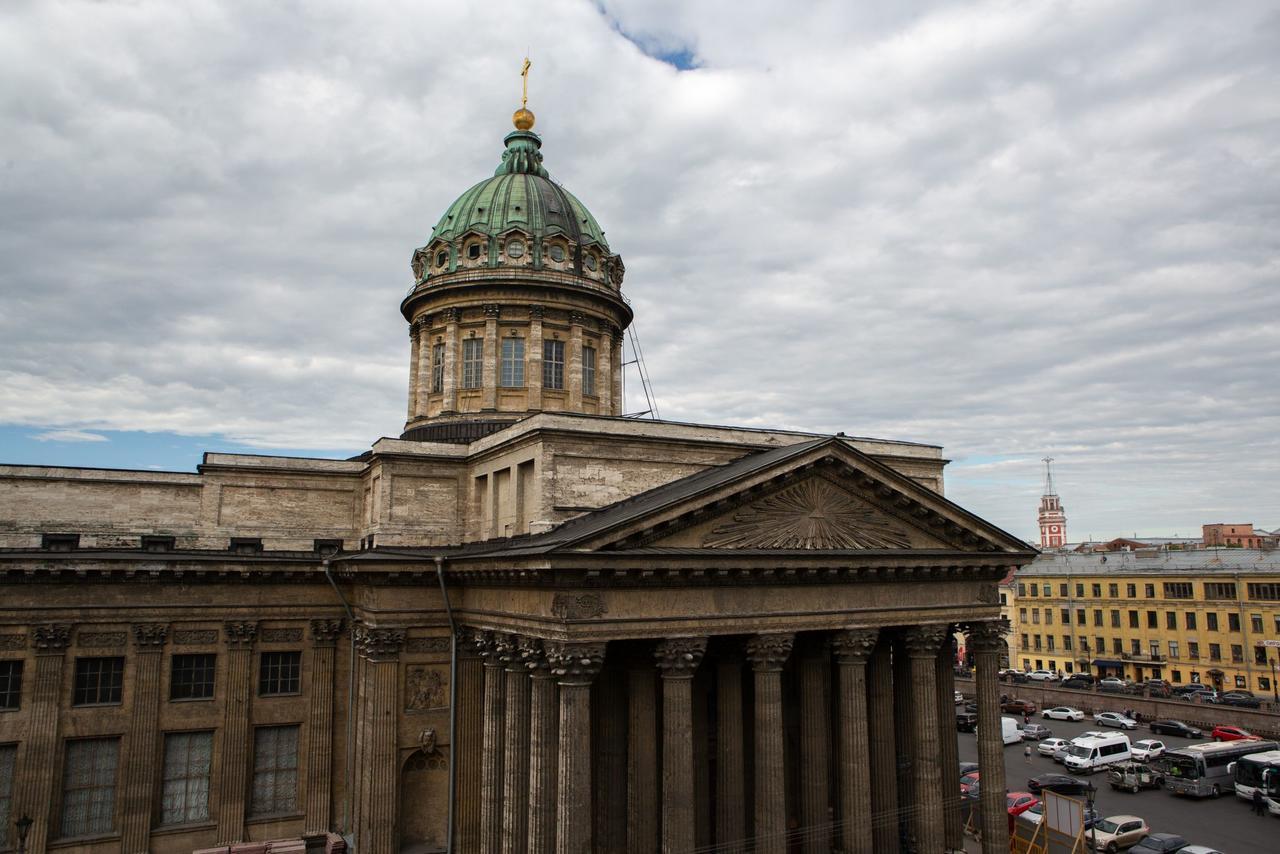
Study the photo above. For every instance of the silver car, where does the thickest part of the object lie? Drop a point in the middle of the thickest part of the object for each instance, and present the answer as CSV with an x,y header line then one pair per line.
x,y
1115,719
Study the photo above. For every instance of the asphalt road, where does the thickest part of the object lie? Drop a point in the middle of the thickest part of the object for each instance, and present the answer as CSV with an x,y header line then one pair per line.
x,y
1227,823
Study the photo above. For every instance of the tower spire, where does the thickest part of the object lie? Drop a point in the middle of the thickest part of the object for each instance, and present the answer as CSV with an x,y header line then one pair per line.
x,y
1053,519
523,117
1048,476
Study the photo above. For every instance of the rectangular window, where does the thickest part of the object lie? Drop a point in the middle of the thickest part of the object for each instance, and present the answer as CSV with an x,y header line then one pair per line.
x,y
1080,617
1171,619
588,370
1035,616
1025,643
1237,653
1190,619
1153,619
1220,590
1101,645
1260,655
1113,590
1177,590
1097,590
1255,623
1037,642
1115,619
1066,642
1135,646
1193,650
1211,621
472,362
98,681
512,363
1173,653
1047,590
188,758
1022,589
89,786
1066,616
1233,622
1131,590
1150,590
1133,619
1116,646
279,673
437,368
1080,590
8,758
1268,592
1034,589
1049,639
1062,590
1215,652
1048,616
275,771
1097,617
10,690
553,364
191,677
1022,615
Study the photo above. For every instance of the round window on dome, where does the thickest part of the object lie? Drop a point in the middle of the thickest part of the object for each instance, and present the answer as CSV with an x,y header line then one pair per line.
x,y
442,258
557,252
473,251
515,248
590,261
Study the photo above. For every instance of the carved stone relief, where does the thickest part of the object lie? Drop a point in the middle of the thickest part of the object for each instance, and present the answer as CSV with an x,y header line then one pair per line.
x,y
8,642
193,637
101,640
425,687
287,635
577,606
436,644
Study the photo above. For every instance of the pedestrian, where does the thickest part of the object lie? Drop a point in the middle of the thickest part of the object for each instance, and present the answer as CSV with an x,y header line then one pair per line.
x,y
1026,718
1026,755
1259,806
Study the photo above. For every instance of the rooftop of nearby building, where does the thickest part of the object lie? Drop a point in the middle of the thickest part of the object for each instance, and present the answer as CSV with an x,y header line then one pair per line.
x,y
1155,561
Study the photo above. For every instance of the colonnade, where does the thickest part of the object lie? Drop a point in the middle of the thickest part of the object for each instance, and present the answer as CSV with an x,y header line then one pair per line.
x,y
817,741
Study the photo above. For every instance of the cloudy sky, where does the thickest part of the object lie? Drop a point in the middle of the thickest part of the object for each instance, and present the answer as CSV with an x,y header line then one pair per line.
x,y
1012,229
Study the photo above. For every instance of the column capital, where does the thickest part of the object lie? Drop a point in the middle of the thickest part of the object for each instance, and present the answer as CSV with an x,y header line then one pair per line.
x,y
491,311
854,646
380,643
923,641
468,646
325,632
537,312
451,315
987,635
240,635
576,663
577,318
486,645
769,652
678,658
51,637
150,637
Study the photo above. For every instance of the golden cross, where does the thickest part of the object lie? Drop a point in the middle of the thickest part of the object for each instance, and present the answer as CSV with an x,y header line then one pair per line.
x,y
524,75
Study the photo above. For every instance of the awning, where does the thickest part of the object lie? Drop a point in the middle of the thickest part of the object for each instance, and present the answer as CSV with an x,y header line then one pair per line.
x,y
1108,662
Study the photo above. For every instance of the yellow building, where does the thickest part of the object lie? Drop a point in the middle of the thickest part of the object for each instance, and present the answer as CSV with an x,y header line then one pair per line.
x,y
1210,616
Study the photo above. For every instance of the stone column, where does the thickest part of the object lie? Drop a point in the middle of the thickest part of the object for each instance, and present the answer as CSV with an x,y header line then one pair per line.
x,y
815,747
489,367
604,372
922,647
544,720
618,402
236,737
575,665
950,755
884,757
611,761
677,659
642,765
450,385
424,366
904,740
492,753
731,830
986,640
768,654
377,759
853,747
34,793
533,370
319,791
140,764
468,743
414,352
573,361
515,761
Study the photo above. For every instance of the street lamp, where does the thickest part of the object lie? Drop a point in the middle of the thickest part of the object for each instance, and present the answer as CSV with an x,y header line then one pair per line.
x,y
1089,792
24,825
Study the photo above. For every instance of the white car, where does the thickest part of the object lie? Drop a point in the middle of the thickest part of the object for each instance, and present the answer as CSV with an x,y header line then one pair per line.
x,y
1147,749
959,698
1117,831
1115,719
1063,713
1042,675
1059,754
1051,746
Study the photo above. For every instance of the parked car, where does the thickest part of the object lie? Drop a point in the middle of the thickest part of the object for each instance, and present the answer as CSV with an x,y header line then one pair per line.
x,y
971,706
1035,732
1051,746
1059,754
1134,776
1115,719
1232,733
1111,683
1159,843
1158,688
1179,690
1063,784
1020,802
1036,814
1244,699
968,768
1078,680
959,698
1199,849
1203,693
1175,728
1042,676
1117,831
966,722
1147,749
1063,713
1020,707
969,781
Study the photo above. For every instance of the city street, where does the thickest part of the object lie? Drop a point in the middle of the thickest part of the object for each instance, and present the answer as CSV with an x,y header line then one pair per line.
x,y
1226,823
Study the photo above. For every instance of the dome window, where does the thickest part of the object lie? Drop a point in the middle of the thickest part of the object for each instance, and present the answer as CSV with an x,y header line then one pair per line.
x,y
590,261
557,252
515,248
442,258
473,251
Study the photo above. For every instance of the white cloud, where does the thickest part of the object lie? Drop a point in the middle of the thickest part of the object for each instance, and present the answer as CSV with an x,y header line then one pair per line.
x,y
69,436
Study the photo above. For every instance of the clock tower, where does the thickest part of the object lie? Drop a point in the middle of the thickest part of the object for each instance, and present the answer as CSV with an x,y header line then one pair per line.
x,y
1053,519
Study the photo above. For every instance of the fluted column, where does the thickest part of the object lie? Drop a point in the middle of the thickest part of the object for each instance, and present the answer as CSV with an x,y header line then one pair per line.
x,y
423,386
642,764
449,402
815,747
319,791
492,754
573,361
611,761
853,748
618,402
234,778
414,353
768,654
604,373
469,742
34,778
515,761
575,665
378,761
922,647
533,371
544,727
677,659
904,711
986,639
489,365
731,772
139,782
884,758
950,755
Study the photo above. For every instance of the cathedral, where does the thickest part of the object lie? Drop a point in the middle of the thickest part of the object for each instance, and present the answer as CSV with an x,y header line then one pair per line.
x,y
525,625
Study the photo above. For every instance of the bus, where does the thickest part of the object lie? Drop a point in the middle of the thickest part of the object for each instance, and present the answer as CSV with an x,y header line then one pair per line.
x,y
1258,769
1203,770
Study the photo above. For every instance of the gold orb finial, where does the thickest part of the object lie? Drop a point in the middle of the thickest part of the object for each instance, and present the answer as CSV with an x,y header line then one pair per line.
x,y
523,118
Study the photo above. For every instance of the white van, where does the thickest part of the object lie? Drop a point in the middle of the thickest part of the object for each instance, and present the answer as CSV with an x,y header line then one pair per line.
x,y
1009,730
1090,754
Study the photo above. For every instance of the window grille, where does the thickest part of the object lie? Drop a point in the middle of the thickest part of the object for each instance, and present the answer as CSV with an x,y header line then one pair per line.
x,y
98,681
192,677
275,770
512,362
437,368
188,759
553,364
588,370
1177,590
1266,592
89,786
10,685
279,673
1220,590
472,362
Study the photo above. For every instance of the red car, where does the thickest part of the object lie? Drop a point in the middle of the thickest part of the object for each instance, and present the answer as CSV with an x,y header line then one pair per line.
x,y
1020,802
967,781
1232,733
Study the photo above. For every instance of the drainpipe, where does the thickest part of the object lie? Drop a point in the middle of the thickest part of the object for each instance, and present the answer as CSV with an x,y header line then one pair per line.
x,y
453,701
351,700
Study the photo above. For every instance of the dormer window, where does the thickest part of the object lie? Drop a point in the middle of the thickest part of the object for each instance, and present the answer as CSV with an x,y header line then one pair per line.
x,y
590,262
557,252
515,248
473,251
442,258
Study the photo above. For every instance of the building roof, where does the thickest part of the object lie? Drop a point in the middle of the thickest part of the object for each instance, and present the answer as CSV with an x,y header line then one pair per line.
x,y
1197,561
